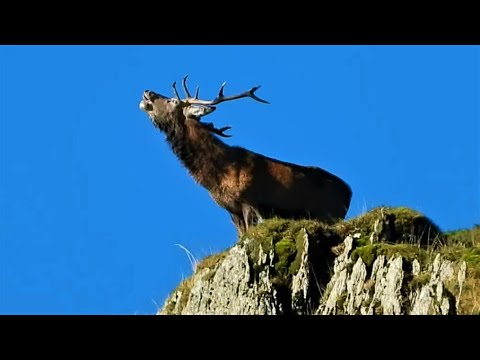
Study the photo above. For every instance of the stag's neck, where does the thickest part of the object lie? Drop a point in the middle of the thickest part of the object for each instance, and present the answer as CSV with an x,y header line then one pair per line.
x,y
202,153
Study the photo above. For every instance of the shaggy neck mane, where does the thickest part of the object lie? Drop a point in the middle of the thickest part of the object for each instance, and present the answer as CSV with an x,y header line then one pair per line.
x,y
201,152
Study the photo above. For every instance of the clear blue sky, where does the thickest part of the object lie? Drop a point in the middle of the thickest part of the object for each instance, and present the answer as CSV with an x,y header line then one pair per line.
x,y
92,200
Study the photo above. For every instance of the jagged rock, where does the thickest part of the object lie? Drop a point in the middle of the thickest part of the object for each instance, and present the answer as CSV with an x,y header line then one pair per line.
x,y
286,271
227,288
432,297
301,280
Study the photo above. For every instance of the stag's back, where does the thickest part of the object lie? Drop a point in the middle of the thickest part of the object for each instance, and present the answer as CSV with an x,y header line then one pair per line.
x,y
334,192
294,191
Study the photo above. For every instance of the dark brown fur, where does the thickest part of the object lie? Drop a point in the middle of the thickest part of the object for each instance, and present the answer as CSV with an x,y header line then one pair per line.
x,y
248,185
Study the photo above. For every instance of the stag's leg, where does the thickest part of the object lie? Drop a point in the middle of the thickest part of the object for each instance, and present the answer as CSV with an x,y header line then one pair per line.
x,y
251,216
239,224
259,218
247,216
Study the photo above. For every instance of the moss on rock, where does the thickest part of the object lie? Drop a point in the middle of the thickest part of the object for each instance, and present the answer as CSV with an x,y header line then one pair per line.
x,y
280,236
409,226
464,245
369,252
284,238
420,280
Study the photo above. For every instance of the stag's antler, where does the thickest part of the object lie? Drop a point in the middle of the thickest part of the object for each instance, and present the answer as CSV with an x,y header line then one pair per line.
x,y
185,89
189,100
220,97
184,83
220,131
174,86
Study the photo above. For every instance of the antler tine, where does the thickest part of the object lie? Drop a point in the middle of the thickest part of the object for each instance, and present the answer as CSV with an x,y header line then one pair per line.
x,y
220,131
251,94
174,85
221,98
184,83
185,89
220,92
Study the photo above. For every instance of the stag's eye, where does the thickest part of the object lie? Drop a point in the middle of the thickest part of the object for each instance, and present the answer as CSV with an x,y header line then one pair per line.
x,y
173,101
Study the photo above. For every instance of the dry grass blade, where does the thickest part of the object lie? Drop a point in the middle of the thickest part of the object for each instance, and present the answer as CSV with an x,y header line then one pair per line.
x,y
191,257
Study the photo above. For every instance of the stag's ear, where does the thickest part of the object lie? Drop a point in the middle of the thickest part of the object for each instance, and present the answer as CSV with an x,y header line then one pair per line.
x,y
198,111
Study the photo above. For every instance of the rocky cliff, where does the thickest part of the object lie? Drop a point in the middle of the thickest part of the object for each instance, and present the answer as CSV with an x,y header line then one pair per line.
x,y
386,261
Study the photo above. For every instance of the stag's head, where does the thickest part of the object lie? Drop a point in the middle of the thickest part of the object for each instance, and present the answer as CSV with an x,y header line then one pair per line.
x,y
163,110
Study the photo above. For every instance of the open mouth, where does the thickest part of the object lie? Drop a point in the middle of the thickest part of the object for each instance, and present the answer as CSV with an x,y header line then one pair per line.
x,y
145,104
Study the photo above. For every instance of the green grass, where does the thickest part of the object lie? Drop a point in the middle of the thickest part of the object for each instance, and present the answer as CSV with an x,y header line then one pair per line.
x,y
410,226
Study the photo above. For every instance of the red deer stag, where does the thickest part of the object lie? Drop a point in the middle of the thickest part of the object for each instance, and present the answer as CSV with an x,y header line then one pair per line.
x,y
250,186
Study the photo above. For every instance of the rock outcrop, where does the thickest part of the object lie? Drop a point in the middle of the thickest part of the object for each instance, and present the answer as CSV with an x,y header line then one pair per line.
x,y
379,263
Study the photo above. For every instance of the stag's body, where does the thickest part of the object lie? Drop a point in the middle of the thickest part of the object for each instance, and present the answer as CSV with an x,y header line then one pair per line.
x,y
250,186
